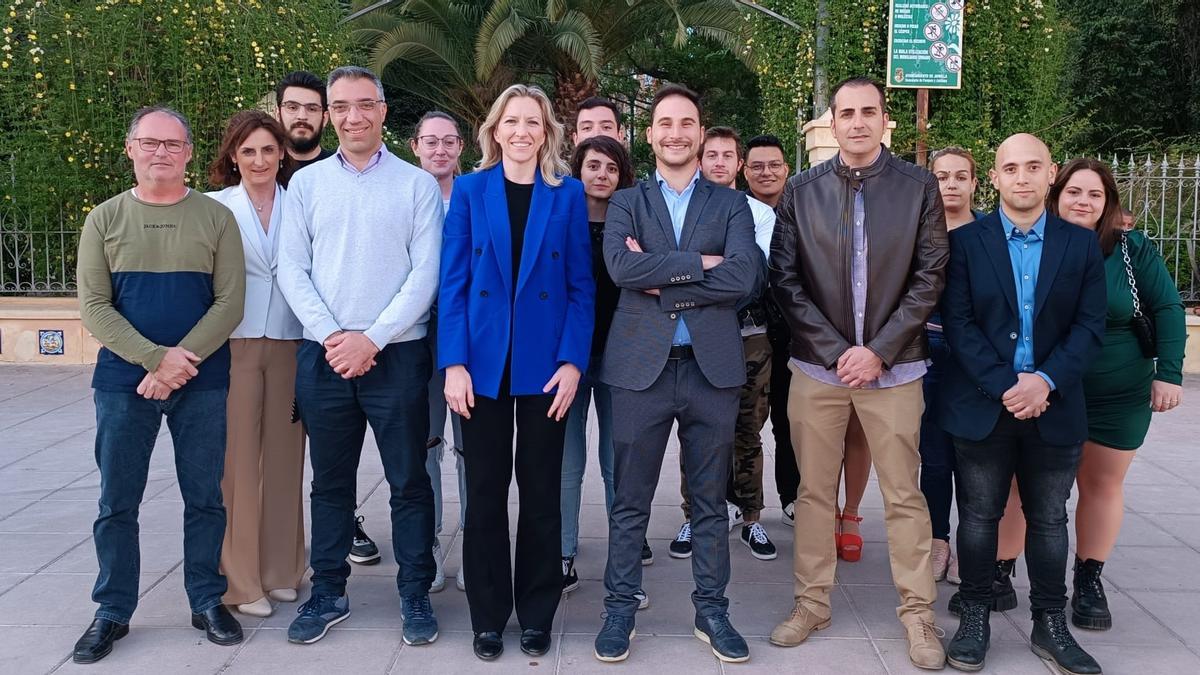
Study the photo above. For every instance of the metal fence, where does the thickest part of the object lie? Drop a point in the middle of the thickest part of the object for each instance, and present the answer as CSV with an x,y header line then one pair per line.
x,y
1164,196
38,258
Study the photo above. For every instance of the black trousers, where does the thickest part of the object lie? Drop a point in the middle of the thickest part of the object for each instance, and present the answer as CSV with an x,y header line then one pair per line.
x,y
492,584
787,476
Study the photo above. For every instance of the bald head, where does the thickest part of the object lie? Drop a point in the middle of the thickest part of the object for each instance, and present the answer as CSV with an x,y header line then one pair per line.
x,y
1022,175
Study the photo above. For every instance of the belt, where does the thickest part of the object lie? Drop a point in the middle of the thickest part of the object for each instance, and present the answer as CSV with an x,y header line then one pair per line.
x,y
679,352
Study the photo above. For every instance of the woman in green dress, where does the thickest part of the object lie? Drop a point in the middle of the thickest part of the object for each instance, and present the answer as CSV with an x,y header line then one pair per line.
x,y
1124,385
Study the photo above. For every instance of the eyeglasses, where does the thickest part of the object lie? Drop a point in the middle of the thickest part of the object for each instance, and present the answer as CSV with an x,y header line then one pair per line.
x,y
343,107
151,145
759,167
294,107
432,142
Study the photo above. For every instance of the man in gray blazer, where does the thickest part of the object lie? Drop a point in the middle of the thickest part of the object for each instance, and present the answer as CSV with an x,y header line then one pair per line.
x,y
682,250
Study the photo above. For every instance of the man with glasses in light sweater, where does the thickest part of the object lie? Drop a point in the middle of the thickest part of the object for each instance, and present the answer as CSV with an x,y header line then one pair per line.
x,y
359,251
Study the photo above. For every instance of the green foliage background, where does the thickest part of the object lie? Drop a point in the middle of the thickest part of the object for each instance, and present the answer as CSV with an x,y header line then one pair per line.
x,y
72,73
1012,73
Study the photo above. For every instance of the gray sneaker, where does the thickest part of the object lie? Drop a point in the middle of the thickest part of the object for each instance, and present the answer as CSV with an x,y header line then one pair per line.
x,y
317,616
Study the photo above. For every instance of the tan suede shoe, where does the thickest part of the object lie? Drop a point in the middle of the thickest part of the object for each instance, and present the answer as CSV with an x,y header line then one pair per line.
x,y
796,628
924,646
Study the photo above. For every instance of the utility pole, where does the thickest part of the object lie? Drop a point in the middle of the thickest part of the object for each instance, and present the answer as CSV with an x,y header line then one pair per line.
x,y
820,77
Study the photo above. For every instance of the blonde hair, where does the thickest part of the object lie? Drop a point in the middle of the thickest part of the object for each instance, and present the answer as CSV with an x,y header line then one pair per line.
x,y
550,162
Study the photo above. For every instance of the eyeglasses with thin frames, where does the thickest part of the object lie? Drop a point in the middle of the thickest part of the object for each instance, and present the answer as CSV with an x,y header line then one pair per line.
x,y
294,107
759,167
343,107
151,145
431,142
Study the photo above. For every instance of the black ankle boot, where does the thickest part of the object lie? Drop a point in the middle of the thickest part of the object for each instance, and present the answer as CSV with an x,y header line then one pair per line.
x,y
969,645
1052,640
1004,596
1089,606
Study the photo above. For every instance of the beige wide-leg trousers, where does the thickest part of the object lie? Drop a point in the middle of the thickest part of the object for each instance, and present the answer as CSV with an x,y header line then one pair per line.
x,y
891,418
264,472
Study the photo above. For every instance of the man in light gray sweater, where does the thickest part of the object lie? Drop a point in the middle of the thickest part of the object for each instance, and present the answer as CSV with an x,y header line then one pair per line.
x,y
358,263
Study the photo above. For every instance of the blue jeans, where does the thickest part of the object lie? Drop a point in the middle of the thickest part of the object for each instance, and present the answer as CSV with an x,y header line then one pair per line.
x,y
1045,474
437,429
936,446
126,428
575,454
392,397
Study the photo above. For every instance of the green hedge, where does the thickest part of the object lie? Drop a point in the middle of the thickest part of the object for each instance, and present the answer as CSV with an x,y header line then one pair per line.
x,y
72,73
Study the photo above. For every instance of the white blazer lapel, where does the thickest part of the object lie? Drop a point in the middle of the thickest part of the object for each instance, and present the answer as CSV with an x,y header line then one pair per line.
x,y
247,220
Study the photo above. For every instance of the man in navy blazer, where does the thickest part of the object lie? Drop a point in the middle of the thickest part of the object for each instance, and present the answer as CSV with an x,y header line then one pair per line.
x,y
1024,313
682,251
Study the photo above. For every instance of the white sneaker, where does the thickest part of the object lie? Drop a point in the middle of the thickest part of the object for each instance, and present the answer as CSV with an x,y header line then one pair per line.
x,y
789,514
643,599
460,582
735,515
439,577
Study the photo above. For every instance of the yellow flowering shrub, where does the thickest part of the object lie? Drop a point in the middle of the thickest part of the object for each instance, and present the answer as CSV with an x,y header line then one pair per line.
x,y
73,72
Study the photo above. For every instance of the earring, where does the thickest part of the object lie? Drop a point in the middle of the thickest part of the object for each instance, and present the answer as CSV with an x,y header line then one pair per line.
x,y
235,169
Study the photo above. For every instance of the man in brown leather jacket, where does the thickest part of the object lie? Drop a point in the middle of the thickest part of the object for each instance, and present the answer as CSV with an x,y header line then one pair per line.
x,y
857,265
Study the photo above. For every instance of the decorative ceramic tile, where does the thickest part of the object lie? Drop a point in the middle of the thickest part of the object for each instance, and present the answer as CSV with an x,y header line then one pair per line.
x,y
50,342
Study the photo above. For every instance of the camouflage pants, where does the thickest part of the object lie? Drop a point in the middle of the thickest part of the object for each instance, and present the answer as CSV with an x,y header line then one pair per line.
x,y
746,480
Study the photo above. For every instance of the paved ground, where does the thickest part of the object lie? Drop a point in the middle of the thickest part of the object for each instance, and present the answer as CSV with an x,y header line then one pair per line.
x,y
49,484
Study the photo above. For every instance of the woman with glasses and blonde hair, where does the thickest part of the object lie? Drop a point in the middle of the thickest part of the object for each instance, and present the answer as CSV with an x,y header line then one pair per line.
x,y
263,552
515,315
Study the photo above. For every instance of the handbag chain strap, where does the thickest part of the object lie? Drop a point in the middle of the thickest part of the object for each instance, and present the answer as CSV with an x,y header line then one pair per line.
x,y
1137,303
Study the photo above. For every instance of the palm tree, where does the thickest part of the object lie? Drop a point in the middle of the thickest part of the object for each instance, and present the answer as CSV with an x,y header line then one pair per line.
x,y
460,55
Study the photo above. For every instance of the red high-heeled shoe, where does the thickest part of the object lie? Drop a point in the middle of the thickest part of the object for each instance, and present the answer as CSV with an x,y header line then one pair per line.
x,y
849,545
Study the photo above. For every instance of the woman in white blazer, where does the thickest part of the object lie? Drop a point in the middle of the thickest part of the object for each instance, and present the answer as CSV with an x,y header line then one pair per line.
x,y
263,553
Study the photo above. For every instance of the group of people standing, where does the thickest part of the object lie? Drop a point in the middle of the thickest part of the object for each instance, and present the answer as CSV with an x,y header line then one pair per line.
x,y
1023,350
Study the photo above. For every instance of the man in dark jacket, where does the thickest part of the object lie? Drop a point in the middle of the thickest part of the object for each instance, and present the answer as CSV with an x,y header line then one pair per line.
x,y
857,265
1024,315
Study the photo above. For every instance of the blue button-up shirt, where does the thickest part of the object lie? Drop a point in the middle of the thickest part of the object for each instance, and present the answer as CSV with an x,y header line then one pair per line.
x,y
677,205
1025,255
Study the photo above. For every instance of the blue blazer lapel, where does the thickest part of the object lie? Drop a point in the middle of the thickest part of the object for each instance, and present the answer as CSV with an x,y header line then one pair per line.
x,y
535,226
1053,250
658,206
996,246
695,207
495,205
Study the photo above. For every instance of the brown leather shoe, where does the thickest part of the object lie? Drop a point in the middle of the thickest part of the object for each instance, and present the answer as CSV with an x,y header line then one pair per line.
x,y
796,628
924,646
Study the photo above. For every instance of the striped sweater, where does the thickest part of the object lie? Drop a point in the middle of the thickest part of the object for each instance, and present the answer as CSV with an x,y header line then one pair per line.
x,y
156,276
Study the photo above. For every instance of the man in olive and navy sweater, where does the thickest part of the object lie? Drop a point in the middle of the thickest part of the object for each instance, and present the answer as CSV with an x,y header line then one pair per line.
x,y
161,285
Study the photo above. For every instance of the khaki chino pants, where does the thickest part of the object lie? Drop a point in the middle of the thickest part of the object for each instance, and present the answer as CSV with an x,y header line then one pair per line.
x,y
891,418
264,472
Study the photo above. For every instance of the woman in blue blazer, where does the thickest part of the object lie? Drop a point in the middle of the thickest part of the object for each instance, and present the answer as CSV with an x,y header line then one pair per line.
x,y
515,316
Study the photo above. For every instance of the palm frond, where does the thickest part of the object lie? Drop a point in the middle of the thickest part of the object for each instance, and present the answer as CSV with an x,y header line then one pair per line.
x,y
504,24
576,38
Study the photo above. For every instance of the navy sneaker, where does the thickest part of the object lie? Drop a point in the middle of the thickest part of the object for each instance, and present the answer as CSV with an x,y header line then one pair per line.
x,y
363,550
647,554
727,644
681,545
317,616
612,642
420,625
570,578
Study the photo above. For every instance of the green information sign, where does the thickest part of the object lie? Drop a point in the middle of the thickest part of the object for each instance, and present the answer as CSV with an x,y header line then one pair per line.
x,y
925,44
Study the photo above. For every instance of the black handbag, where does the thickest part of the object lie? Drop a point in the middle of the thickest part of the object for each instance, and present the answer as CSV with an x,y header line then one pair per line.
x,y
1143,327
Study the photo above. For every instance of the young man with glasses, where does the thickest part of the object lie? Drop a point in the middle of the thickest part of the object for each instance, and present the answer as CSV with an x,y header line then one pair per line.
x,y
358,264
162,283
300,105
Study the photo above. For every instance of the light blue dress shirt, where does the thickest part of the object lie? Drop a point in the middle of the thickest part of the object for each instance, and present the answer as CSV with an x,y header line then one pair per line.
x,y
1025,254
677,205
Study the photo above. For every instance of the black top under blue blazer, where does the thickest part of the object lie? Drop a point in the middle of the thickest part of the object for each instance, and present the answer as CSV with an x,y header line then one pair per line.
x,y
547,319
717,222
981,321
